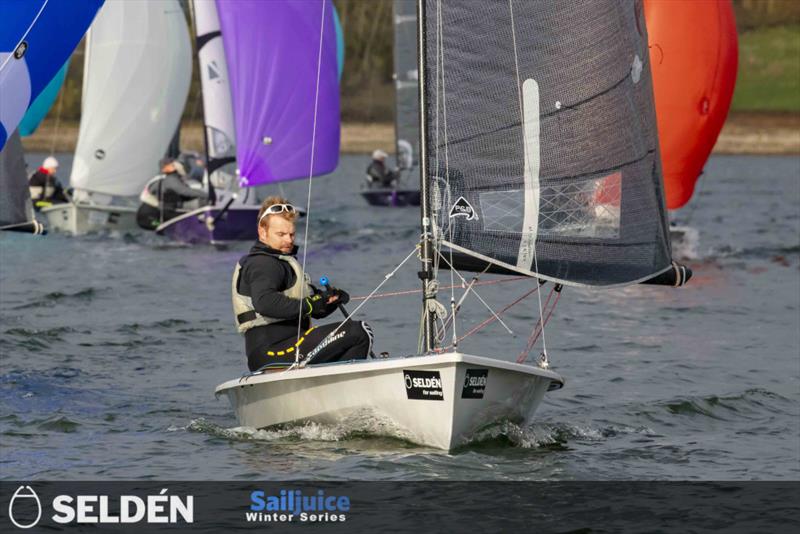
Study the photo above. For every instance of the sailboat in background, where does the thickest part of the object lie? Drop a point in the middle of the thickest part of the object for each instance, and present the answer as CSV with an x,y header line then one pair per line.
x,y
694,53
406,122
36,39
16,210
271,55
136,79
539,156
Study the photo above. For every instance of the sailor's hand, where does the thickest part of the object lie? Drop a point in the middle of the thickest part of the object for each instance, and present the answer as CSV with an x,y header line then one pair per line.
x,y
341,296
316,306
332,298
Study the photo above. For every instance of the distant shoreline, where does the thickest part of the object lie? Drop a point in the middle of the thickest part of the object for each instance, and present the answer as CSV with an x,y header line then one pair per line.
x,y
743,133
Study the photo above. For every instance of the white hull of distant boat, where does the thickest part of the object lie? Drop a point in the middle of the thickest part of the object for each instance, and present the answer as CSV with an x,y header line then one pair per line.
x,y
81,219
440,401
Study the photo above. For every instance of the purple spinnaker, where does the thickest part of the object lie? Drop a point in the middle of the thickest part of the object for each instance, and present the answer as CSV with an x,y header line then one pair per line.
x,y
272,49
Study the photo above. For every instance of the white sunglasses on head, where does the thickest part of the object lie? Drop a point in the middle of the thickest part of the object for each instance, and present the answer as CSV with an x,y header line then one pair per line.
x,y
278,208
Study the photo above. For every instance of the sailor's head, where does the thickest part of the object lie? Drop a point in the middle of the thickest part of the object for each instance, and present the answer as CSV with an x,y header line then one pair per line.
x,y
276,224
50,164
379,155
170,165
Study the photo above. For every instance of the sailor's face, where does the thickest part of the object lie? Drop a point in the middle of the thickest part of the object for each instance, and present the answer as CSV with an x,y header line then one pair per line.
x,y
279,235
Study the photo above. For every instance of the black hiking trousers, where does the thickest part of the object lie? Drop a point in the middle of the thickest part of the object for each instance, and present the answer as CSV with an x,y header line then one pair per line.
x,y
351,341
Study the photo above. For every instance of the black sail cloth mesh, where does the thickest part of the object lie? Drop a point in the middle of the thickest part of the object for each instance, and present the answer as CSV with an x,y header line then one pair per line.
x,y
576,186
15,199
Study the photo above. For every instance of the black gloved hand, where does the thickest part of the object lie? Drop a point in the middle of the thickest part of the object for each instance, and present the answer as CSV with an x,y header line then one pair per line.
x,y
344,298
317,307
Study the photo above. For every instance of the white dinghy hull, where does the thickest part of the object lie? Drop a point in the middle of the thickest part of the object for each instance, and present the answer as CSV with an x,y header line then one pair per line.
x,y
439,401
81,219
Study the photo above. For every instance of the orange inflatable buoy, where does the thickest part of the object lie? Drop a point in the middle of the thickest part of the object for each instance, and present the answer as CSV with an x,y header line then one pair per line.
x,y
694,57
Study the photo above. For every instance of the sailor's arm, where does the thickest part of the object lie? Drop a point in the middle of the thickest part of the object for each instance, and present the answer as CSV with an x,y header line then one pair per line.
x,y
266,280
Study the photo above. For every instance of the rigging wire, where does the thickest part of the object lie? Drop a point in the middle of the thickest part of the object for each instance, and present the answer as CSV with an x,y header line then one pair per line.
x,y
311,171
489,320
522,356
352,313
417,291
463,281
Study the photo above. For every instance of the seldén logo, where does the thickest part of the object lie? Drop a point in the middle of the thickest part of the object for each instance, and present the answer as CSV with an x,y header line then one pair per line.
x,y
462,208
23,502
25,509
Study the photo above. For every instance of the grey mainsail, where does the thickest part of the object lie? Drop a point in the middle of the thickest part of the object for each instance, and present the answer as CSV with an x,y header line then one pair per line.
x,y
406,85
16,211
541,142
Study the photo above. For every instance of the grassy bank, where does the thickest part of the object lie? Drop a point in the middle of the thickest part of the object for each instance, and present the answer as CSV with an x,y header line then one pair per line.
x,y
769,70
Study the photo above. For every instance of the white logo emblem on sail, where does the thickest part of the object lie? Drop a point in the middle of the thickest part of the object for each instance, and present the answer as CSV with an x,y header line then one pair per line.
x,y
462,208
25,492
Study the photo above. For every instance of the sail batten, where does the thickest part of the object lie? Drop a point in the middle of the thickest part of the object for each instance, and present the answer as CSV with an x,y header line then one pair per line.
x,y
553,165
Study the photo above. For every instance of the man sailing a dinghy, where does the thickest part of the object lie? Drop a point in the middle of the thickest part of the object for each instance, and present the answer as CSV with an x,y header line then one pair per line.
x,y
273,300
44,186
377,173
164,196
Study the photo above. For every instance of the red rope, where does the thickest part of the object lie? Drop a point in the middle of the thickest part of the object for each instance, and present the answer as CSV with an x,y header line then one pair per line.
x,y
417,291
537,331
492,318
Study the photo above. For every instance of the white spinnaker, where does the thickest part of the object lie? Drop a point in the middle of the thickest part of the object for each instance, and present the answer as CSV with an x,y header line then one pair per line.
x,y
136,79
217,107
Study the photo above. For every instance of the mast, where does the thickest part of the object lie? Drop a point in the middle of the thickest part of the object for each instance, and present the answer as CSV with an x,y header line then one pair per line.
x,y
426,274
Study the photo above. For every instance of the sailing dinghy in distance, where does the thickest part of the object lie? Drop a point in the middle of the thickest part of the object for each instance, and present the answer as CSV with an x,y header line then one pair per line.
x,y
271,51
543,162
406,123
136,79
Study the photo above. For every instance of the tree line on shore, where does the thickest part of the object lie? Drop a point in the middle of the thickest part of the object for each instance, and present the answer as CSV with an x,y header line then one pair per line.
x,y
367,92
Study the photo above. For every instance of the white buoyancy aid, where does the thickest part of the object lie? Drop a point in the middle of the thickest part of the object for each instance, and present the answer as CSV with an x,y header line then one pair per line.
x,y
244,313
44,192
151,191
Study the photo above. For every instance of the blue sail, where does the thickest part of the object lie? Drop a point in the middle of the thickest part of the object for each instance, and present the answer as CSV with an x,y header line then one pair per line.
x,y
36,39
41,106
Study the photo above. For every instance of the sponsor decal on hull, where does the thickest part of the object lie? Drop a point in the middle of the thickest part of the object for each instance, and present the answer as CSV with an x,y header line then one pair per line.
x,y
423,385
475,381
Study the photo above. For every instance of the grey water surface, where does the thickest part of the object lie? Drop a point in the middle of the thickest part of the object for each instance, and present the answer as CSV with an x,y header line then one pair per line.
x,y
111,347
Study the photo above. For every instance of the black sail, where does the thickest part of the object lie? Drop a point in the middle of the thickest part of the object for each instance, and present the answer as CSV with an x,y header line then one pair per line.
x,y
541,142
16,212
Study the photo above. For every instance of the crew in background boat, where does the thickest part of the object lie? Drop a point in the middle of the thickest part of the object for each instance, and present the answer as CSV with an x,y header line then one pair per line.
x,y
271,295
165,196
44,186
377,173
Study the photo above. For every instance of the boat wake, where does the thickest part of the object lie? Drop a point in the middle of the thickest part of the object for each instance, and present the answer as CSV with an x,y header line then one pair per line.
x,y
357,427
547,436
